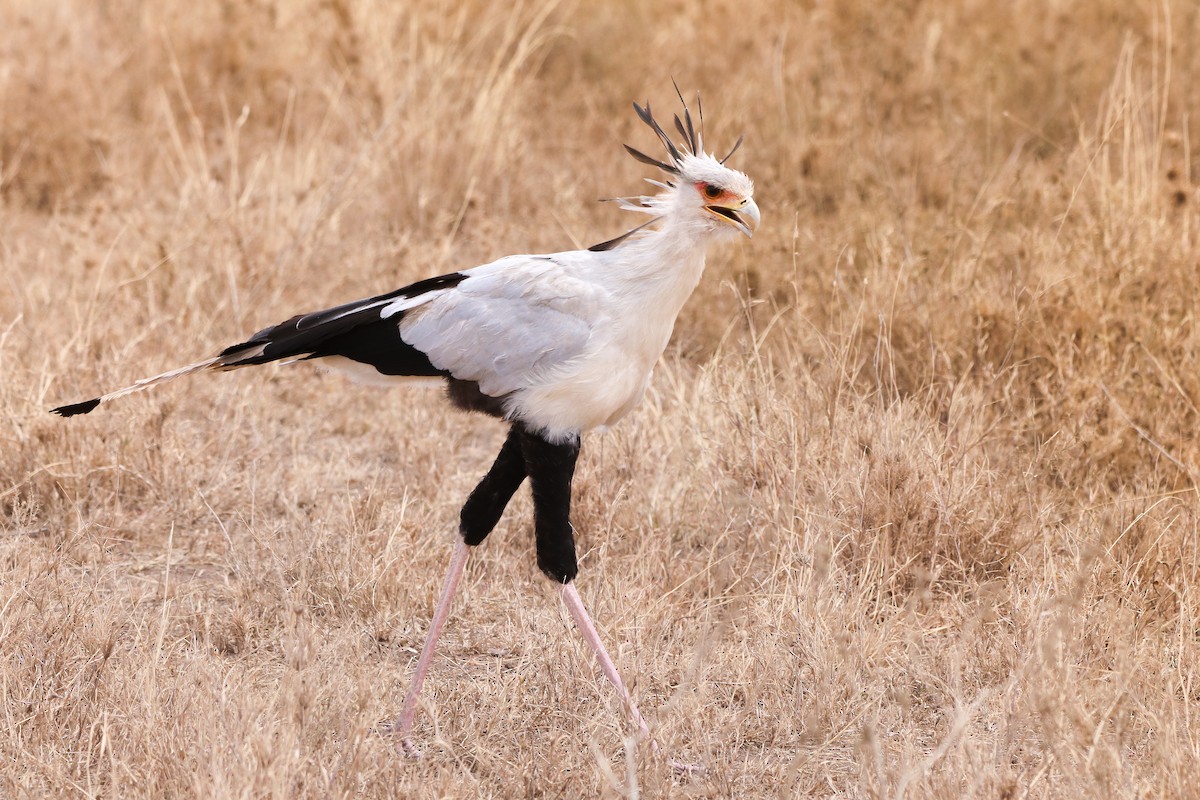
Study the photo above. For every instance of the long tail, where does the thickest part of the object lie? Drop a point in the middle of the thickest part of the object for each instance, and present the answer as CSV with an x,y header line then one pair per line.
x,y
145,383
364,331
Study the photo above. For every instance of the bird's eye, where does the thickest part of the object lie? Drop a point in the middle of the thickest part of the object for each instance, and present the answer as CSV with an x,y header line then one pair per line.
x,y
712,192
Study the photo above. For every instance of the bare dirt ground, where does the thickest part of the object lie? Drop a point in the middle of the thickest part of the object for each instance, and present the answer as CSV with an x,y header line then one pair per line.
x,y
910,510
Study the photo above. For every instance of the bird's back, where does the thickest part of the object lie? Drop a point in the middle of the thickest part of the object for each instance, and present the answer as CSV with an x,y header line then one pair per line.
x,y
563,342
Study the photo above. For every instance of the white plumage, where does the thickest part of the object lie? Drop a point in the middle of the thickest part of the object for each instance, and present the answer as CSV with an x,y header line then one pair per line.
x,y
556,344
569,340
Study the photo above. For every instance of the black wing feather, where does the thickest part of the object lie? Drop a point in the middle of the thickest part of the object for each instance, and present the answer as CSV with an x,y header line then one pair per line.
x,y
379,345
327,332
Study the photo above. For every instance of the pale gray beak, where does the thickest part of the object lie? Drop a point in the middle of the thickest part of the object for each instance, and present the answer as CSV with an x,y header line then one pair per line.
x,y
750,212
740,216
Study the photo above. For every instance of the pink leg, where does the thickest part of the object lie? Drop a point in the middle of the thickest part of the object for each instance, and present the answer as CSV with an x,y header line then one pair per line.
x,y
583,622
404,725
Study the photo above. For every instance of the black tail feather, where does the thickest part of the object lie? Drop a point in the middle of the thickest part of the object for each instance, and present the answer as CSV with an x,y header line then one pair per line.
x,y
357,331
76,408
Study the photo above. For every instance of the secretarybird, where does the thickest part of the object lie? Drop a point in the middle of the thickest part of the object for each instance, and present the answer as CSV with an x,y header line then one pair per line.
x,y
555,345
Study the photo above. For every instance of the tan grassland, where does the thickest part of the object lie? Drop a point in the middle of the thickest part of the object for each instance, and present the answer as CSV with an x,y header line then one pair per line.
x,y
911,508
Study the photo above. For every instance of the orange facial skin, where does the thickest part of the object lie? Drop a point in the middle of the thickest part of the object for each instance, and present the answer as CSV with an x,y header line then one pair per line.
x,y
705,188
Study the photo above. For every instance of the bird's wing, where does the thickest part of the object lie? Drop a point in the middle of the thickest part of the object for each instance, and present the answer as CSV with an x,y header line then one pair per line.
x,y
507,324
501,325
307,334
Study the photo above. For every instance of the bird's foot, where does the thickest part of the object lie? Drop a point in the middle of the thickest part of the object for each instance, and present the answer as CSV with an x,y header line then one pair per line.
x,y
401,737
405,747
685,768
677,766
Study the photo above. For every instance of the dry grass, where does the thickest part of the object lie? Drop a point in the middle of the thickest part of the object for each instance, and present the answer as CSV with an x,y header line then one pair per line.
x,y
911,510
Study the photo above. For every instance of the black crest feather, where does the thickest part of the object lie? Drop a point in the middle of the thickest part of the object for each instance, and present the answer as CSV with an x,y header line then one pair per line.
x,y
611,243
736,145
691,132
654,162
648,117
689,135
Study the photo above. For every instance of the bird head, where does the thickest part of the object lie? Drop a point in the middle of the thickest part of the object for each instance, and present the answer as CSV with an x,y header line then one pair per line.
x,y
700,188
722,199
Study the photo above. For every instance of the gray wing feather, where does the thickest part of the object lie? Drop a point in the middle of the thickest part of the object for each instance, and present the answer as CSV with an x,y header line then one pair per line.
x,y
505,329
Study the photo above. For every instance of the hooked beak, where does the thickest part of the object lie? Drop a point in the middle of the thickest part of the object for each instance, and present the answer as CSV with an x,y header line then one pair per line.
x,y
738,216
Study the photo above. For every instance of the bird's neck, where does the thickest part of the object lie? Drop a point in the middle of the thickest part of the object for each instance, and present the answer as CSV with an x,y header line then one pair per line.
x,y
654,275
662,267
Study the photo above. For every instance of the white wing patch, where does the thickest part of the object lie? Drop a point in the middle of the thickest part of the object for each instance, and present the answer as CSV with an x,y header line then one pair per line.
x,y
506,328
405,303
